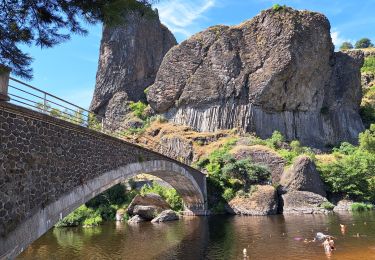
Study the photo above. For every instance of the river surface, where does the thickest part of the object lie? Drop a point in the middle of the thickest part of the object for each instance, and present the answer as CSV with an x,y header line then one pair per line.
x,y
215,237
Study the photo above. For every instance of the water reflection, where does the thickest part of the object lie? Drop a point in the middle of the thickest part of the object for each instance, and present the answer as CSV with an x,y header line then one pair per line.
x,y
217,237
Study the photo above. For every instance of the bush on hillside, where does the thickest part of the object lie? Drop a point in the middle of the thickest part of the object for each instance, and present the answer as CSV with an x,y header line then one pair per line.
x,y
346,46
367,139
363,43
351,174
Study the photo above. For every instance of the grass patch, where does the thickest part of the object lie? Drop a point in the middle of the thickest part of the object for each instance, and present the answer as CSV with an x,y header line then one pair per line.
x,y
360,206
327,205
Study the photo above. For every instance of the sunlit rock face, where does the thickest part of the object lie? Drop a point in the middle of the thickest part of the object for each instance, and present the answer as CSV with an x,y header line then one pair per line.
x,y
277,71
130,56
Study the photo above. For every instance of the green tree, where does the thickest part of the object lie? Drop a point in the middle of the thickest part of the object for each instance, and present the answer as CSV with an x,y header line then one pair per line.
x,y
367,139
363,43
246,171
45,23
346,46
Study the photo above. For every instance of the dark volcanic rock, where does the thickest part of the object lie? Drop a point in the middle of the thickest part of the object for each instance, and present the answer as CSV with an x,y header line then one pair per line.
x,y
303,202
151,199
303,176
277,71
166,215
130,56
263,201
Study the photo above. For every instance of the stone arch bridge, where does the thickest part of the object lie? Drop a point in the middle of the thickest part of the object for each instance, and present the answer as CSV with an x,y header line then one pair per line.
x,y
49,167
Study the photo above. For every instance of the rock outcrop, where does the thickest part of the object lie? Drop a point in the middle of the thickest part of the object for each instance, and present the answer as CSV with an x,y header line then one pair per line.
x,y
277,71
136,219
264,156
146,212
303,176
343,205
303,202
263,201
130,55
147,206
166,215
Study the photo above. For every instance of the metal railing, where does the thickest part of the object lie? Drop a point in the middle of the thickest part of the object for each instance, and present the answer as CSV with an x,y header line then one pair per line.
x,y
25,95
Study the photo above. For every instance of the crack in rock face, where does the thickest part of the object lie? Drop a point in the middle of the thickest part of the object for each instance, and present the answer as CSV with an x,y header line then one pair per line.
x,y
277,71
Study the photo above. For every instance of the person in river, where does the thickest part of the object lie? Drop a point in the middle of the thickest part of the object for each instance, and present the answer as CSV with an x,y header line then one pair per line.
x,y
331,243
327,246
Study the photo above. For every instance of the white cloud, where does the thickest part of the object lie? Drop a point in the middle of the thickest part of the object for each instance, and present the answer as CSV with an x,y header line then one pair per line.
x,y
337,38
181,16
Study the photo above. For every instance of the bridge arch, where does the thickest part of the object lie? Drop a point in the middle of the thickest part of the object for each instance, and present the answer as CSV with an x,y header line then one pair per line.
x,y
49,167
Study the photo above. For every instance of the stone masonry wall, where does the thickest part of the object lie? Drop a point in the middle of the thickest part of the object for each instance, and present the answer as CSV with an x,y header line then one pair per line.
x,y
43,158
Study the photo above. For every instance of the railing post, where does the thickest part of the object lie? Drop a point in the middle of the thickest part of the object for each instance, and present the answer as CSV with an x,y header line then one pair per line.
x,y
4,82
45,103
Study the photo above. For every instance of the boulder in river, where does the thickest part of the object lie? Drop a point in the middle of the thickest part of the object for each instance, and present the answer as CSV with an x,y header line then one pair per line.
x,y
303,202
136,219
146,212
166,215
151,199
262,201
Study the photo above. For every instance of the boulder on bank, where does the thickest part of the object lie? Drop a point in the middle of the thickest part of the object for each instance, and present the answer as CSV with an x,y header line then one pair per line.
x,y
303,202
150,199
303,176
146,212
136,219
166,215
262,201
343,205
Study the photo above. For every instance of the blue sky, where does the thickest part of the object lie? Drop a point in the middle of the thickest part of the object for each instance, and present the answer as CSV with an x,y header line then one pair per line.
x,y
69,70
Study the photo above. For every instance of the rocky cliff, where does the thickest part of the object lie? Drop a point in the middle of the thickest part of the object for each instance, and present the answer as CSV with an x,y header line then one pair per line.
x,y
130,56
277,71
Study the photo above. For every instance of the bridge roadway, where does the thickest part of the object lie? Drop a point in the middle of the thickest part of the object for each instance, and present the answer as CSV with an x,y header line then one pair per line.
x,y
49,167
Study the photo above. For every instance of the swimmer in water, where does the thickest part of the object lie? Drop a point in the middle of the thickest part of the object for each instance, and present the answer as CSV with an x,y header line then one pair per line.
x,y
343,229
327,246
331,243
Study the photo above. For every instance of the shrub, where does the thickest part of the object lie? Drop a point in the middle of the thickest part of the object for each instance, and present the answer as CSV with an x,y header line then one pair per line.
x,y
76,217
276,140
277,7
351,174
327,205
367,139
92,221
102,207
229,194
346,46
246,171
138,108
369,65
363,43
169,194
360,206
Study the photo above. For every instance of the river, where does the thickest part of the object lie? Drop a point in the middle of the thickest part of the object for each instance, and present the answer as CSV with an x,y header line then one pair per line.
x,y
215,237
